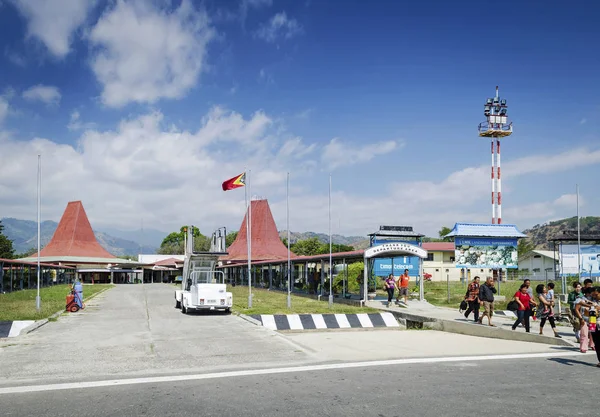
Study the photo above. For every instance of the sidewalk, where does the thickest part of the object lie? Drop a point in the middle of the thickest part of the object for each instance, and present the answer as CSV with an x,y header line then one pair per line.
x,y
450,320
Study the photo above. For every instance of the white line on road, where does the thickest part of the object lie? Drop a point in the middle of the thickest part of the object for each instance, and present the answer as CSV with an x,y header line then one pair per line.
x,y
271,371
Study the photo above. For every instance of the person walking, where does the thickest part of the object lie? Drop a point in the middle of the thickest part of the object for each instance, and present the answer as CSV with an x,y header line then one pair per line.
x,y
546,308
403,281
582,310
524,300
390,286
596,335
472,297
572,299
486,298
532,310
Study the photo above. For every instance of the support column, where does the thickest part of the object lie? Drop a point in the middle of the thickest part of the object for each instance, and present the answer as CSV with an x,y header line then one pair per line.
x,y
499,181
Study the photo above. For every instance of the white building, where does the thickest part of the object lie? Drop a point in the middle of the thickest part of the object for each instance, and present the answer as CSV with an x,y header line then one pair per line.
x,y
538,265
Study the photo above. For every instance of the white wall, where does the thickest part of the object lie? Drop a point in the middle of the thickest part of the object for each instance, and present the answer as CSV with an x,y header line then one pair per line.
x,y
537,266
150,259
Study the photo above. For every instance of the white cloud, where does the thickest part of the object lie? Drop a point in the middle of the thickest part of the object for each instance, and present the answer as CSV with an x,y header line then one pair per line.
x,y
75,123
54,21
3,109
121,174
144,165
265,76
338,153
143,53
45,93
279,26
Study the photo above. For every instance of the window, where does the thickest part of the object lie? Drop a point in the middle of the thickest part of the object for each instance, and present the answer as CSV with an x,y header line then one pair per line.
x,y
452,259
481,270
537,256
437,270
429,257
536,269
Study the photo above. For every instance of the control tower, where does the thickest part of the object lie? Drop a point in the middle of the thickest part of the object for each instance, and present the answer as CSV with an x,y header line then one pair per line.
x,y
496,127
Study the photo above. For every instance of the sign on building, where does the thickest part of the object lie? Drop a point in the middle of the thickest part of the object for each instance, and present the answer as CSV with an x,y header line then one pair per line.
x,y
385,266
485,252
590,260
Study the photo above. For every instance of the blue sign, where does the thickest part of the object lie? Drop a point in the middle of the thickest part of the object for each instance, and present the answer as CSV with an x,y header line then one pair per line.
x,y
382,267
486,252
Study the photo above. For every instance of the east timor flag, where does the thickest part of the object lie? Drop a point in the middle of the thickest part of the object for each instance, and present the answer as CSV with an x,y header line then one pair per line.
x,y
235,182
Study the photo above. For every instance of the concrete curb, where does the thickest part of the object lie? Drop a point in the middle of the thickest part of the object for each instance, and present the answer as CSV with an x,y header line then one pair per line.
x,y
328,321
39,323
470,329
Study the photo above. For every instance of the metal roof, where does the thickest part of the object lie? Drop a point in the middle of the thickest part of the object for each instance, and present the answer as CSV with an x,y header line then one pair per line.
x,y
32,263
81,260
485,230
266,244
438,246
74,236
394,233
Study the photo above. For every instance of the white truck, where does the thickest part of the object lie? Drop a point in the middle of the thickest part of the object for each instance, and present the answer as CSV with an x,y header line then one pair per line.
x,y
202,287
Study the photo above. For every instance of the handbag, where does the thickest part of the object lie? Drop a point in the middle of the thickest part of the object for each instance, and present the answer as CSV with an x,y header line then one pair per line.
x,y
512,306
463,306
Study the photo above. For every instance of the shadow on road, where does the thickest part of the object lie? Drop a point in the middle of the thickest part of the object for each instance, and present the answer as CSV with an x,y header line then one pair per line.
x,y
571,362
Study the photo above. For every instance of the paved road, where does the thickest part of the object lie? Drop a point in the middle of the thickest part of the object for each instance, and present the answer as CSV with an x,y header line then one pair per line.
x,y
569,387
135,330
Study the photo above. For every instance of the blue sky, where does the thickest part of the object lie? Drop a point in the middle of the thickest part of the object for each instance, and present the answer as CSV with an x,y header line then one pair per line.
x,y
141,109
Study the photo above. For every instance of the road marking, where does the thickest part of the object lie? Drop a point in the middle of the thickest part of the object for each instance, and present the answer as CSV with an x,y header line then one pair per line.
x,y
294,322
319,321
272,371
364,319
342,321
390,320
269,322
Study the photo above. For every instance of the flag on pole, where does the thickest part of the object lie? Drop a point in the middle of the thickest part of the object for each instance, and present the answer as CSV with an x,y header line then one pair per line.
x,y
235,182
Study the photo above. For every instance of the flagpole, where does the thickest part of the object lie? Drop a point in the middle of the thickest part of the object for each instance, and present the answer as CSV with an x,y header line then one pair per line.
x,y
330,247
289,297
249,237
578,236
38,300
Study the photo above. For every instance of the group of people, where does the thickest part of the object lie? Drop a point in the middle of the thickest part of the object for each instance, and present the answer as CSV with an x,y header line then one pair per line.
x,y
478,296
390,284
584,308
584,304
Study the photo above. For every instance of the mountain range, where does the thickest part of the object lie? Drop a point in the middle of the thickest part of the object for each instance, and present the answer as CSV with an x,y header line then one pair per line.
x,y
540,234
23,233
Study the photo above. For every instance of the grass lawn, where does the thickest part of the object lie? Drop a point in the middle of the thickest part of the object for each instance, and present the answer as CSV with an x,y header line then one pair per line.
x,y
20,305
275,302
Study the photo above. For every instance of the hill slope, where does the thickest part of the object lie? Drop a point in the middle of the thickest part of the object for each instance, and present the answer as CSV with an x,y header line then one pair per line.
x,y
539,234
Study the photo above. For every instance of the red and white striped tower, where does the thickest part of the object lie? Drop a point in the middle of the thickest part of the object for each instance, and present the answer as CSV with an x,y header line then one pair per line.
x,y
499,184
495,128
493,184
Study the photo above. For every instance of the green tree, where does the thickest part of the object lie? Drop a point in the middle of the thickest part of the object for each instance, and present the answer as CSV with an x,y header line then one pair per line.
x,y
230,238
443,232
524,247
26,254
6,245
307,247
174,243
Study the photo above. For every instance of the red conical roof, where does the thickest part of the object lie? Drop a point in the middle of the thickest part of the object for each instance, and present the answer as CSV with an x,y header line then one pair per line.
x,y
266,244
74,236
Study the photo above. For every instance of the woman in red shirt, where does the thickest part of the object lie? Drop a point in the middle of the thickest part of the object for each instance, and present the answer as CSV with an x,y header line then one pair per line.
x,y
525,302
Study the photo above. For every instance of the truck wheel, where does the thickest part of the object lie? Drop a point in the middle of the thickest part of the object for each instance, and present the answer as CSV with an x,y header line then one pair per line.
x,y
177,304
227,311
183,309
